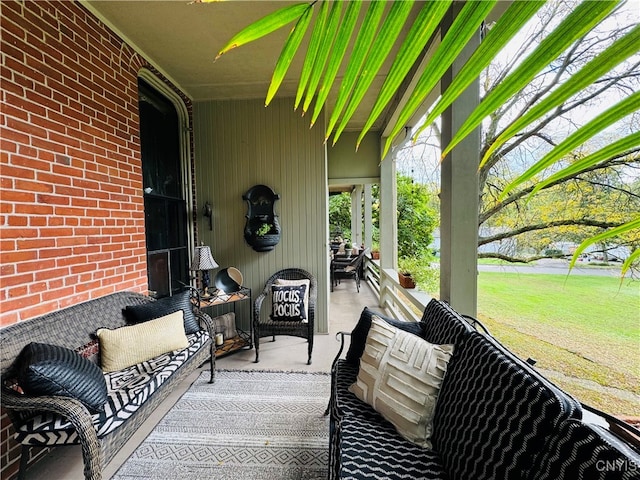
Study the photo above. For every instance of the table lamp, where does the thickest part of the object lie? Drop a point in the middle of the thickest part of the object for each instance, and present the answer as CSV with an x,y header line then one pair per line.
x,y
203,261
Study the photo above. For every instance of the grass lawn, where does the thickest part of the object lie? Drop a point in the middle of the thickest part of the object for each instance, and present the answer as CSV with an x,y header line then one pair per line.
x,y
583,327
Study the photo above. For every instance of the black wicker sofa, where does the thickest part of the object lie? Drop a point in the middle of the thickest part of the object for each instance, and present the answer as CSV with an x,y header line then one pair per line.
x,y
132,393
496,418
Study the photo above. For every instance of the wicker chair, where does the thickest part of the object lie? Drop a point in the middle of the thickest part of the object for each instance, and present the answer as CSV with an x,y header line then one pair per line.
x,y
351,268
264,326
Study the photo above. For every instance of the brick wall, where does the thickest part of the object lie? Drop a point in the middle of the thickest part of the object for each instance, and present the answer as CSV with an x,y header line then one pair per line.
x,y
71,205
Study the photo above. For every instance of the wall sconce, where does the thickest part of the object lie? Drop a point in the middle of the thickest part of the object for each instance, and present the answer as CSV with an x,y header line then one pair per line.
x,y
208,213
203,261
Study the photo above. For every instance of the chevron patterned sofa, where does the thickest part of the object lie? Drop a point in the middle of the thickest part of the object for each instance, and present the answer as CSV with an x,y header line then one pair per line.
x,y
132,393
495,418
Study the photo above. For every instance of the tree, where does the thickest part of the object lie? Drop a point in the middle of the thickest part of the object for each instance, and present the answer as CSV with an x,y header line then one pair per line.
x,y
416,218
377,33
340,215
582,201
416,221
577,204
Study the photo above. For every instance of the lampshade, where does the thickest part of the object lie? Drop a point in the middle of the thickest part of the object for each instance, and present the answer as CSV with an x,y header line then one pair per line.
x,y
202,259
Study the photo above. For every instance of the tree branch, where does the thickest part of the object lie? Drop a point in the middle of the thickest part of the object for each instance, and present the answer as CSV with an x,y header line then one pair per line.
x,y
544,226
618,160
510,259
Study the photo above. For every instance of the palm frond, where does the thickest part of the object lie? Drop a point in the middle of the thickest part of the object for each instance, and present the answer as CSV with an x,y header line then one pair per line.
x,y
575,25
577,138
619,51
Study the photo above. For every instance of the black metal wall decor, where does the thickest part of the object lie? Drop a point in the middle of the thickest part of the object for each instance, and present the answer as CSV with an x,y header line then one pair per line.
x,y
262,229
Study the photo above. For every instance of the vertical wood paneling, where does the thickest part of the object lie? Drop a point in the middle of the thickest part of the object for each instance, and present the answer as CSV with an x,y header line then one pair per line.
x,y
240,143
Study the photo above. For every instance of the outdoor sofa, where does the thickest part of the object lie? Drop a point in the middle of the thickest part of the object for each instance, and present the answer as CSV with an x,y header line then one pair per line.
x,y
132,393
495,417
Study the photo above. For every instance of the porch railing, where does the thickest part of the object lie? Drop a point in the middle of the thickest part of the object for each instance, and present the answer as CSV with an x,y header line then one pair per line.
x,y
398,301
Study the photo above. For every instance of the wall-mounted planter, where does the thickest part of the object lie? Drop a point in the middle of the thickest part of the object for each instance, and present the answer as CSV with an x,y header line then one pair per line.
x,y
262,229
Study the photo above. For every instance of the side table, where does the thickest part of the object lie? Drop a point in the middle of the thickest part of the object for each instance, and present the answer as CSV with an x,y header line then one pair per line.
x,y
218,301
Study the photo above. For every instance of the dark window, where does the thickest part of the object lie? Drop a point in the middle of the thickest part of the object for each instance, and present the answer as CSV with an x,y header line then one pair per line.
x,y
164,204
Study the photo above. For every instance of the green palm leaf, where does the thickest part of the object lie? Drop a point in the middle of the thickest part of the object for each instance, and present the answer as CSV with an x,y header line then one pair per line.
x,y
577,138
288,51
619,51
627,263
358,57
423,27
502,32
386,38
312,52
465,25
616,148
576,24
329,34
341,44
264,26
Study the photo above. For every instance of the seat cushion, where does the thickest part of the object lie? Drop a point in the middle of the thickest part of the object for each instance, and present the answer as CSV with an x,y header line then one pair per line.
x,y
344,402
127,390
372,449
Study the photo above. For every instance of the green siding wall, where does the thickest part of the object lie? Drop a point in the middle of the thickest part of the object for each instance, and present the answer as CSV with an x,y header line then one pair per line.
x,y
240,143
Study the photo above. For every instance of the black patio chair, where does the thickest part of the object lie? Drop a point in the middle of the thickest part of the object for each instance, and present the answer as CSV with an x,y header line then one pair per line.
x,y
351,268
264,325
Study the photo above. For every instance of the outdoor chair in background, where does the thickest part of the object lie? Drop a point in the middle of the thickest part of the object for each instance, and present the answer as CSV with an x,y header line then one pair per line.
x,y
286,306
347,268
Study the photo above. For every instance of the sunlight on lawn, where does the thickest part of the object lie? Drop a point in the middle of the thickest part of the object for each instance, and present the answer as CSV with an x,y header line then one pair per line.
x,y
584,327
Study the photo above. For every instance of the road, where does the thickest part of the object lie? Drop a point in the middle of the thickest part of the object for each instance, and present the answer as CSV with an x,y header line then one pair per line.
x,y
553,267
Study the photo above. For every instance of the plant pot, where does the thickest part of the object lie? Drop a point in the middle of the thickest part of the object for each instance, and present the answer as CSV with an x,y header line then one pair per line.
x,y
375,255
406,281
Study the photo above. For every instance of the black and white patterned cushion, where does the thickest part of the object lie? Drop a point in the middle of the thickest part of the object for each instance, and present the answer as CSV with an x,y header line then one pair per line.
x,y
345,402
372,450
361,330
165,306
494,413
127,390
588,452
442,324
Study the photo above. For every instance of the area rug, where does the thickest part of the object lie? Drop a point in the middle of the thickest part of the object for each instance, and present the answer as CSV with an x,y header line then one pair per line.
x,y
248,425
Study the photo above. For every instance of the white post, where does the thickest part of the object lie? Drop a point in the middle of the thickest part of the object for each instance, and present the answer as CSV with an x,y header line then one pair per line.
x,y
388,219
368,215
459,195
356,215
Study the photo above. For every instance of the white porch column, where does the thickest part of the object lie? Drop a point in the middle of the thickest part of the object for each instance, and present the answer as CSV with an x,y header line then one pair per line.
x,y
459,196
356,215
368,215
388,221
388,213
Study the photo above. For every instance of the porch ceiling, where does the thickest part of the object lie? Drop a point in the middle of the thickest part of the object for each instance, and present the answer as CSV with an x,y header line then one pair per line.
x,y
182,39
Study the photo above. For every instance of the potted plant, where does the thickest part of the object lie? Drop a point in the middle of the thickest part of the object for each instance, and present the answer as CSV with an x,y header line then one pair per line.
x,y
375,252
405,279
263,229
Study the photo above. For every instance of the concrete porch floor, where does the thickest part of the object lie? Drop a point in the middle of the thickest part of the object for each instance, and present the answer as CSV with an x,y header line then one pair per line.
x,y
286,353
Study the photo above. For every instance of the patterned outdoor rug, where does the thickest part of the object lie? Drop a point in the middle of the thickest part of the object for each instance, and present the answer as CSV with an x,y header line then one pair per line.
x,y
248,425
